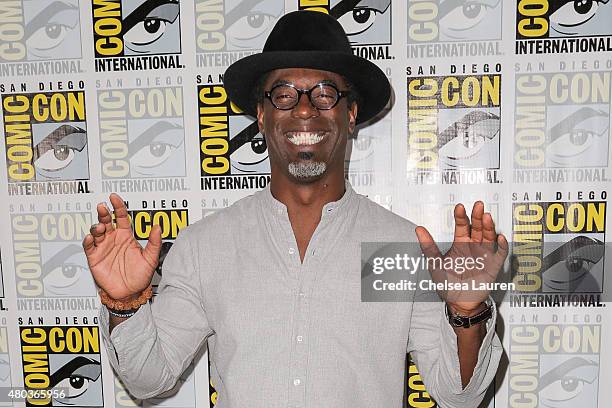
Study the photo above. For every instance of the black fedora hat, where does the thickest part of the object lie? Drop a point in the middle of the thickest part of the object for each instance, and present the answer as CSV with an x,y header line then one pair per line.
x,y
308,39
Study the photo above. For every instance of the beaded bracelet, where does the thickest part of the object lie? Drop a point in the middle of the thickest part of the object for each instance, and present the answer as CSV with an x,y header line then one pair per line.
x,y
120,306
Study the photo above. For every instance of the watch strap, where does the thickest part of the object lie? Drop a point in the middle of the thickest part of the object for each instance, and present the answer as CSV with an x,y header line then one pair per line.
x,y
457,320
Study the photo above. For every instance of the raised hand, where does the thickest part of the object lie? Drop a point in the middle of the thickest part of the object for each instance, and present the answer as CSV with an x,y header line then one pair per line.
x,y
119,265
477,241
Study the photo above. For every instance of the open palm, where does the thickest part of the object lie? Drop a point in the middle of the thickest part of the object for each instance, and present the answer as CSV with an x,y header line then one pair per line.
x,y
477,240
119,265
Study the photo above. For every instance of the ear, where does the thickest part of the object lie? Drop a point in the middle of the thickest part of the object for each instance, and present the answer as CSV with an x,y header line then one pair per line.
x,y
352,112
260,118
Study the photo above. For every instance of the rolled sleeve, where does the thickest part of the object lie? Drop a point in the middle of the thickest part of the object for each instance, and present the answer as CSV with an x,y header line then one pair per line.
x,y
150,350
434,351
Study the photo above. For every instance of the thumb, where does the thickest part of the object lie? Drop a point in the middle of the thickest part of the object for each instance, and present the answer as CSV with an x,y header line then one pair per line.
x,y
153,247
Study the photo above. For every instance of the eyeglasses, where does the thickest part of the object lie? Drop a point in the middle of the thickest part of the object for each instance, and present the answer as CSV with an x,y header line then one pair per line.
x,y
322,96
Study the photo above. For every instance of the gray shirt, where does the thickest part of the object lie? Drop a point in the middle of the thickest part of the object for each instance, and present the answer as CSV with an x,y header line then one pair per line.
x,y
282,333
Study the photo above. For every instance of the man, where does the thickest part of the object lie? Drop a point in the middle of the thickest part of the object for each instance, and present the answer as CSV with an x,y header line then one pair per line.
x,y
273,282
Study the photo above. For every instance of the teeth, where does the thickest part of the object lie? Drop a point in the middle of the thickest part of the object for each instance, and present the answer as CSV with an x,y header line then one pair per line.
x,y
304,138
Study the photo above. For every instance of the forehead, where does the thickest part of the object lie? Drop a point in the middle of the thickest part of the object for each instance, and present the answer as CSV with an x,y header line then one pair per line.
x,y
303,77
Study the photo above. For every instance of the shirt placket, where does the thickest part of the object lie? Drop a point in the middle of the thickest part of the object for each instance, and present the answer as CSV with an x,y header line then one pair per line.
x,y
305,275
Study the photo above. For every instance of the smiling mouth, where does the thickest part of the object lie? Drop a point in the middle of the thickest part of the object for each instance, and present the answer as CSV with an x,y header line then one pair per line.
x,y
305,138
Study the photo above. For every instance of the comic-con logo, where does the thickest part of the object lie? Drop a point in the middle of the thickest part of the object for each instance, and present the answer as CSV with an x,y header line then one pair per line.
x,y
62,358
233,154
562,127
367,23
553,365
416,394
228,30
454,127
49,258
448,28
46,142
559,26
136,34
558,246
39,37
142,139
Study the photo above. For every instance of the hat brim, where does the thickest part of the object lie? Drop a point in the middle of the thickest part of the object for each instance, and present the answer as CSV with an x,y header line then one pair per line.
x,y
241,77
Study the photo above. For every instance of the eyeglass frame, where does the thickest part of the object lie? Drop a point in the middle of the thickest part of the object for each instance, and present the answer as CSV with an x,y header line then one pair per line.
x,y
308,92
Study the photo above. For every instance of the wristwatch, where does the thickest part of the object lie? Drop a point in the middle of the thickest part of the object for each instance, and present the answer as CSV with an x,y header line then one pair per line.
x,y
457,320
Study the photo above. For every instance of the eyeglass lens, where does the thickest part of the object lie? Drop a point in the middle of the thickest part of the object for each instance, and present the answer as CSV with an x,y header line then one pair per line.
x,y
322,96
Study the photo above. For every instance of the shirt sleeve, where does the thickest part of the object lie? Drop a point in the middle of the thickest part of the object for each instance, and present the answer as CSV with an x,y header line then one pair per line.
x,y
433,346
150,350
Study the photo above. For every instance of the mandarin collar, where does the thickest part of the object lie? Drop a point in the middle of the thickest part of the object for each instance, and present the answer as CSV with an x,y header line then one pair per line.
x,y
329,209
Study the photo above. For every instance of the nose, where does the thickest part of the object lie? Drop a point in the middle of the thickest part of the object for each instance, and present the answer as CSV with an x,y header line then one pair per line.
x,y
304,108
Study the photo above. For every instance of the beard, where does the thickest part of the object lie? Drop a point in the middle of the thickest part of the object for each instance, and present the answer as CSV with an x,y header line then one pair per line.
x,y
304,170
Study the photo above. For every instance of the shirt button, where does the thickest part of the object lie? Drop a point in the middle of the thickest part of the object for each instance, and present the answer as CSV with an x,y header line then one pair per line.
x,y
297,382
291,251
299,339
302,295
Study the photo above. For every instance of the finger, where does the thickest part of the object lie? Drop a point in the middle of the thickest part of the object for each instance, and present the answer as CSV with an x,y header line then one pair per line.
x,y
477,220
431,251
462,223
88,244
99,233
488,232
105,217
153,247
121,214
502,248
428,245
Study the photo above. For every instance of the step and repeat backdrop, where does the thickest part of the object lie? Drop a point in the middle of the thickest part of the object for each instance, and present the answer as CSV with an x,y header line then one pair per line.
x,y
503,101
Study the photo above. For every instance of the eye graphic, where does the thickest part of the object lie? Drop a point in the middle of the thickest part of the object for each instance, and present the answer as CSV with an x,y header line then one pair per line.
x,y
359,20
50,28
250,154
362,147
75,378
250,27
248,149
49,36
66,275
249,23
465,16
59,148
568,267
359,16
56,159
154,147
466,137
146,32
460,18
577,136
574,13
66,272
568,381
148,23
